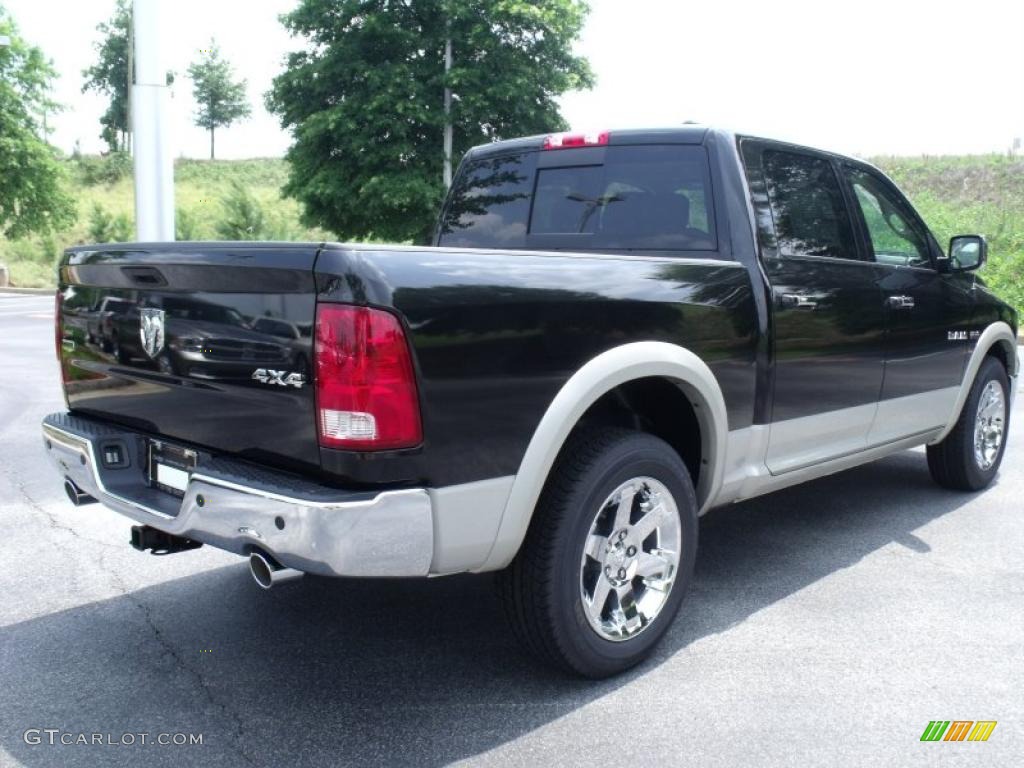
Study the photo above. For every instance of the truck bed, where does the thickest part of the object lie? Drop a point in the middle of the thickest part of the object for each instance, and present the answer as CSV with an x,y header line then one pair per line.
x,y
493,335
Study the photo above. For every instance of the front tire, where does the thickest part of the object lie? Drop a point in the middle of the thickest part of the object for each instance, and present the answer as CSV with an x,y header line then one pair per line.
x,y
166,365
608,557
968,458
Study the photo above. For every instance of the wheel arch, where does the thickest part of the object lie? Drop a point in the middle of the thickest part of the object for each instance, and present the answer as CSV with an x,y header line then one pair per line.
x,y
1005,352
997,340
601,375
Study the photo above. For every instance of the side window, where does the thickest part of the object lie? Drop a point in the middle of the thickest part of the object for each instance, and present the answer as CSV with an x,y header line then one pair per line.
x,y
895,236
807,206
490,205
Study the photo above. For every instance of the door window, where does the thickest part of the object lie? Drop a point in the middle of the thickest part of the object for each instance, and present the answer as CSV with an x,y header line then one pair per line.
x,y
895,236
807,206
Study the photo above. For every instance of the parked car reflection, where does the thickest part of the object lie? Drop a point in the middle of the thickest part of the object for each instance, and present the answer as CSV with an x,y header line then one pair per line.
x,y
202,339
296,339
210,341
104,321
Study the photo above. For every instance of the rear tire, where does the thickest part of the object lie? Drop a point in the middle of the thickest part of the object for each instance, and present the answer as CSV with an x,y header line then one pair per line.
x,y
596,583
118,351
968,458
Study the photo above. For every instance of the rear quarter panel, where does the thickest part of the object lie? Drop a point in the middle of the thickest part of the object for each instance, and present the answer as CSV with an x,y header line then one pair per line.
x,y
496,334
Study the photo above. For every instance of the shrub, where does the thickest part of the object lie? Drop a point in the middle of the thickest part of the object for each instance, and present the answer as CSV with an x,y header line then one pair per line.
x,y
109,169
283,230
186,225
243,216
1005,276
105,227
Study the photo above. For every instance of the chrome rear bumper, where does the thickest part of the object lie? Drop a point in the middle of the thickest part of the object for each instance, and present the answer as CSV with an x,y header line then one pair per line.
x,y
314,529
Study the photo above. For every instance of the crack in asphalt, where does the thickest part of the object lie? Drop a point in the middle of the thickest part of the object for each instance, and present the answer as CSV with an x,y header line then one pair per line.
x,y
124,591
54,523
179,660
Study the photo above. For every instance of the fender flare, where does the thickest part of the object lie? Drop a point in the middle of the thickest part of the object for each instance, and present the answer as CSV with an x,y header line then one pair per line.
x,y
599,376
996,333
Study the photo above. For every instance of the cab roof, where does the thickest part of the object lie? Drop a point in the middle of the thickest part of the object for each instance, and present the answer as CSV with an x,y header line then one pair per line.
x,y
683,134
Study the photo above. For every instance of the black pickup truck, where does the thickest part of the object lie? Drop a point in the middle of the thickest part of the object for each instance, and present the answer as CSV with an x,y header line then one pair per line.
x,y
611,334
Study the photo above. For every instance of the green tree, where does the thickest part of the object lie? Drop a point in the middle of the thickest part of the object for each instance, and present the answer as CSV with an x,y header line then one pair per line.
x,y
365,99
220,99
110,77
32,198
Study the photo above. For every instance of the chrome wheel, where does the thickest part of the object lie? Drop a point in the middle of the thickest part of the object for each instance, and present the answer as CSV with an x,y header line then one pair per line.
x,y
630,558
989,425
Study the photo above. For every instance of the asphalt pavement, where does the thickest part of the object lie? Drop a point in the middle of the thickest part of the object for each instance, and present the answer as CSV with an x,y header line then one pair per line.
x,y
827,625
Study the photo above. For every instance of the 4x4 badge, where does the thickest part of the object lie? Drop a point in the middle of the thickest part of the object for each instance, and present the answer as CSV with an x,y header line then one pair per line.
x,y
151,329
280,378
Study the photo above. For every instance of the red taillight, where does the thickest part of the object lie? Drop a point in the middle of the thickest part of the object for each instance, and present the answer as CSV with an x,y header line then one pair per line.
x,y
572,140
365,383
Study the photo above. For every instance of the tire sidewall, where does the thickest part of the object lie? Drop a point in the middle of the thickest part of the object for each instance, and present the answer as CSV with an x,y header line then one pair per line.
x,y
991,370
635,456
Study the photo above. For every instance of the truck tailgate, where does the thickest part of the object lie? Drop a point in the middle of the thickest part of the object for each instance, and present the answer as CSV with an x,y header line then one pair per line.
x,y
206,343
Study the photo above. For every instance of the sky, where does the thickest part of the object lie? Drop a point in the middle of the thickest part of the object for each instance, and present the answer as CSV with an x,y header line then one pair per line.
x,y
878,77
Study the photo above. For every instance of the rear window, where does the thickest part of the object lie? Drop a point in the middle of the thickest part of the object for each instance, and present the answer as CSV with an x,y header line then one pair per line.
x,y
639,198
490,204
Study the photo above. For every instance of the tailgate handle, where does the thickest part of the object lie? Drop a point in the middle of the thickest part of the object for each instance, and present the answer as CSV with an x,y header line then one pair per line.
x,y
148,276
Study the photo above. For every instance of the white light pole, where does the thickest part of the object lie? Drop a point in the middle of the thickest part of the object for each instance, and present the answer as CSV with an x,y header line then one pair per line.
x,y
151,141
447,116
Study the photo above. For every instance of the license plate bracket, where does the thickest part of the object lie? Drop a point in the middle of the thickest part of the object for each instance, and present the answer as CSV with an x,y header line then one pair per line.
x,y
170,467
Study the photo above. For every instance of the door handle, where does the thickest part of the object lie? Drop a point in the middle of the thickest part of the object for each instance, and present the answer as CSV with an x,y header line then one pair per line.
x,y
796,301
900,302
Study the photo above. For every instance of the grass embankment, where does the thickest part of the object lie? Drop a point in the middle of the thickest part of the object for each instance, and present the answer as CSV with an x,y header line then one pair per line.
x,y
972,195
210,197
240,199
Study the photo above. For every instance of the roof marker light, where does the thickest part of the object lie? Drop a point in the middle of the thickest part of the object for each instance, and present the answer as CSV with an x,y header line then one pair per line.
x,y
574,140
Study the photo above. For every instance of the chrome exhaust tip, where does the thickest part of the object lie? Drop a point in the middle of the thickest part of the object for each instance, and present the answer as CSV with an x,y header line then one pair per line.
x,y
267,572
77,496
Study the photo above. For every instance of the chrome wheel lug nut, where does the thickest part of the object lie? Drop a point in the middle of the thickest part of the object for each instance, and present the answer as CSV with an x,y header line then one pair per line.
x,y
622,573
631,551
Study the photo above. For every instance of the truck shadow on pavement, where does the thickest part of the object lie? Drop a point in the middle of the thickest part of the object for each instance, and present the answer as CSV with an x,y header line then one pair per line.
x,y
327,672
